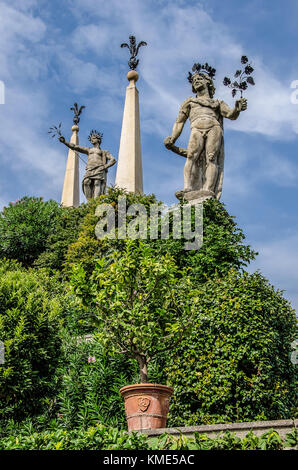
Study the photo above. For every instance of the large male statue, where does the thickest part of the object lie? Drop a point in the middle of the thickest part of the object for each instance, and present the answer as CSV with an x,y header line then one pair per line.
x,y
95,178
203,171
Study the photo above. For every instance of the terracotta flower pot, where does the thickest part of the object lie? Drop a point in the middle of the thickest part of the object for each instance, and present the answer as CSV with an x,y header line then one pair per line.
x,y
146,405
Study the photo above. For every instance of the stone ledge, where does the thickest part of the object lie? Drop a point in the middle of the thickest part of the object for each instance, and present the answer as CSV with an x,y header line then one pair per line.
x,y
240,429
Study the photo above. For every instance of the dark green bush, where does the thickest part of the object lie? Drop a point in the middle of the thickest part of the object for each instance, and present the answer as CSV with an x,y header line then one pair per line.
x,y
29,326
223,246
87,249
25,226
67,229
235,364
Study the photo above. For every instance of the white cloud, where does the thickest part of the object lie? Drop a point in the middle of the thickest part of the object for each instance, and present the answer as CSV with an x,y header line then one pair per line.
x,y
23,120
179,34
92,36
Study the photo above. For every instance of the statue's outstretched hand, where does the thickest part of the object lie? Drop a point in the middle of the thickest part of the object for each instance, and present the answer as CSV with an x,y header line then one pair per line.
x,y
241,104
62,139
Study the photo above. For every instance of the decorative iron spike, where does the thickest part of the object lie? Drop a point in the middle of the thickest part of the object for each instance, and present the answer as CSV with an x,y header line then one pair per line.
x,y
133,49
77,112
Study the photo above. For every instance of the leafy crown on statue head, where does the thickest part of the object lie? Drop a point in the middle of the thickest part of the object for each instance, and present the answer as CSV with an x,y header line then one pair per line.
x,y
99,135
201,68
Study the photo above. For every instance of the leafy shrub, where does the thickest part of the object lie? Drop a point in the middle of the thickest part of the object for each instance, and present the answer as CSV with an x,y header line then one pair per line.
x,y
25,226
29,329
105,438
235,363
87,249
223,246
142,308
226,441
95,438
89,391
67,229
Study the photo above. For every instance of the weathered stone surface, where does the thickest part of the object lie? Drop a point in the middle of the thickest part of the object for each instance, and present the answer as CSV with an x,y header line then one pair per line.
x,y
240,429
195,197
204,165
71,192
129,174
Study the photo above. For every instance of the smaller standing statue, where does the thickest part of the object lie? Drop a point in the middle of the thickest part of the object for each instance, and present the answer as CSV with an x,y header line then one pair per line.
x,y
203,171
95,178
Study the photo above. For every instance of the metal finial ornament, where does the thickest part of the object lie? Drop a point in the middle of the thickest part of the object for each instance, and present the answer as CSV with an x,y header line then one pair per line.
x,y
77,112
99,135
133,49
201,68
244,78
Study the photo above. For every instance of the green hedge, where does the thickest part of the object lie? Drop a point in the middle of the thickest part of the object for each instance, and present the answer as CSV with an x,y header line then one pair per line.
x,y
25,226
235,363
29,328
103,438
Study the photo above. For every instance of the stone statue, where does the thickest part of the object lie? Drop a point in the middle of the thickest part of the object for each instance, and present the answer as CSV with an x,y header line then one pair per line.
x,y
203,171
95,178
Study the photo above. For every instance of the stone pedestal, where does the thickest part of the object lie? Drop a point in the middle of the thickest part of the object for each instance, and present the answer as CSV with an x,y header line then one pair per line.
x,y
71,191
195,197
129,174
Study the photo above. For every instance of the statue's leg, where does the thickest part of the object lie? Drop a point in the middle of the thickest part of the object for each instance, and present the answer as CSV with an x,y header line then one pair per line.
x,y
87,188
213,144
194,150
99,187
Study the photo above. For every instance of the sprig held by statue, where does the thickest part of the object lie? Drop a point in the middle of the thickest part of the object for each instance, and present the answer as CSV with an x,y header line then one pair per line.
x,y
243,77
55,131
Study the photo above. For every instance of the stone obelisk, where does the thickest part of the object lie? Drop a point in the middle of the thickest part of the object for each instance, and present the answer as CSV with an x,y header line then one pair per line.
x,y
71,186
129,175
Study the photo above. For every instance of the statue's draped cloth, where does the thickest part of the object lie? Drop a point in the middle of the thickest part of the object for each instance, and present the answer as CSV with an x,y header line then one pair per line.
x,y
96,171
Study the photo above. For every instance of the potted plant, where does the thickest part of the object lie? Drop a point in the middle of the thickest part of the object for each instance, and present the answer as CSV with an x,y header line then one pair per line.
x,y
143,305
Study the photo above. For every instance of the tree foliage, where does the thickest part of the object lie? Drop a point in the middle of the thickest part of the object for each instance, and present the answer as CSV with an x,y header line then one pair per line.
x,y
235,363
223,246
142,307
25,226
67,229
87,249
91,379
29,326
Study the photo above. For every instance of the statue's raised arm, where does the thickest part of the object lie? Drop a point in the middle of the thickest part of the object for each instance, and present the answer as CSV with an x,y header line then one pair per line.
x,y
76,148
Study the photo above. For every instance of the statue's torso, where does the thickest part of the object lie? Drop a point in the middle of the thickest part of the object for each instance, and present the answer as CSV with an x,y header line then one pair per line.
x,y
96,158
203,113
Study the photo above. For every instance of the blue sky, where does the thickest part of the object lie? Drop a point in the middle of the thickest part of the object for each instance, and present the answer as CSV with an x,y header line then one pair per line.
x,y
54,53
